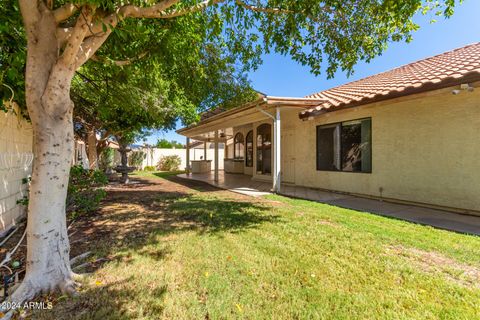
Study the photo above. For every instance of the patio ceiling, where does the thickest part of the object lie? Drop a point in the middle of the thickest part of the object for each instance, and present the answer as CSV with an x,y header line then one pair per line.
x,y
225,121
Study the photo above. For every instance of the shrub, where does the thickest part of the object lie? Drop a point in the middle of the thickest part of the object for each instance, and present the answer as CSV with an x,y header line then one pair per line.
x,y
106,159
169,163
149,168
85,191
136,158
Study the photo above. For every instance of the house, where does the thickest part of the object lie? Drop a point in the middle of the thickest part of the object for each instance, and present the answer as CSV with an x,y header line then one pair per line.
x,y
410,135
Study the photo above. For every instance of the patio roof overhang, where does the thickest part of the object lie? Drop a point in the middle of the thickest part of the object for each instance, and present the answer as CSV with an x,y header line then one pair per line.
x,y
248,113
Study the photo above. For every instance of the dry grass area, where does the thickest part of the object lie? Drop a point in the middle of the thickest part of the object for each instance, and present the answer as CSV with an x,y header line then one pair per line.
x,y
434,262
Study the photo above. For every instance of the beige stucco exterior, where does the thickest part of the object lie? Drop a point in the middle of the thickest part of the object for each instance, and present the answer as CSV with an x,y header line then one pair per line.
x,y
425,150
15,165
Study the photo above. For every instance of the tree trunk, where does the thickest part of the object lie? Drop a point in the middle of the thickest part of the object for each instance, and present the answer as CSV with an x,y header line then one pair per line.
x,y
92,148
47,94
48,251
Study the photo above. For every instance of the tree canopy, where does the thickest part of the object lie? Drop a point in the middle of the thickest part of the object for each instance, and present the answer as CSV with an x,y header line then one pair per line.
x,y
324,35
164,143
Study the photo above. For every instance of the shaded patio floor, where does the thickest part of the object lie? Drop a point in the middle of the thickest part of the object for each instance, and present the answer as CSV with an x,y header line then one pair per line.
x,y
437,218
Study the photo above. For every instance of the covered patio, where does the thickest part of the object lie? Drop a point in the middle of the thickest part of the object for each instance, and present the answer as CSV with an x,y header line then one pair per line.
x,y
260,160
427,216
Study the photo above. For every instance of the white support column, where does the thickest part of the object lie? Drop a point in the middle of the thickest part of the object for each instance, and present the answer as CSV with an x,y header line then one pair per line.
x,y
187,168
277,160
216,157
205,151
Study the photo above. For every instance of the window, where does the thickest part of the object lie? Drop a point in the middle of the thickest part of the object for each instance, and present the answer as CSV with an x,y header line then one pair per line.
x,y
249,149
238,146
264,149
345,146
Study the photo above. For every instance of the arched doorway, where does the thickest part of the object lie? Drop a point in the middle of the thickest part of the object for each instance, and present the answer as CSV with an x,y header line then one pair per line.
x,y
264,149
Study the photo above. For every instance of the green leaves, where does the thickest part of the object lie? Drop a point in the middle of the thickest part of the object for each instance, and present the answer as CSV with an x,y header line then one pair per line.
x,y
12,53
325,35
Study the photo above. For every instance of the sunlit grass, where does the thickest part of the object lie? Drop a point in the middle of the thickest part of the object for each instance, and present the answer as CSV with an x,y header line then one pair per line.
x,y
215,257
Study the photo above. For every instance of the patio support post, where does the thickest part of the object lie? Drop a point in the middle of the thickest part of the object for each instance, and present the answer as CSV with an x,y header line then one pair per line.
x,y
277,152
187,168
215,177
205,151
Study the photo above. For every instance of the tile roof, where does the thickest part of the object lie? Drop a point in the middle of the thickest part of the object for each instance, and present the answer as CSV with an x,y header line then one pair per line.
x,y
447,69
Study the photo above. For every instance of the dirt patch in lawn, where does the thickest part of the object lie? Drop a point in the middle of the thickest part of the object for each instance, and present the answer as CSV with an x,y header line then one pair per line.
x,y
433,262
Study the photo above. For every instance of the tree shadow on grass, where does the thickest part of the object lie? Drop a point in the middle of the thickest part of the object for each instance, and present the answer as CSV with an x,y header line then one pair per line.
x,y
213,215
133,219
138,224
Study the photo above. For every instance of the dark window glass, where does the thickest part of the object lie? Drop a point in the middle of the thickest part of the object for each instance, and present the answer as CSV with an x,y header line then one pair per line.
x,y
238,147
249,149
345,146
264,149
327,146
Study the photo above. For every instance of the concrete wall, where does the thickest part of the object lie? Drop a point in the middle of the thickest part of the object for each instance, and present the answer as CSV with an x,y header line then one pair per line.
x,y
425,149
15,164
154,155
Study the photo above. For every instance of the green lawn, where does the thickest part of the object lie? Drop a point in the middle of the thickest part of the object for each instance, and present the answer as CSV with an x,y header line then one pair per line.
x,y
211,255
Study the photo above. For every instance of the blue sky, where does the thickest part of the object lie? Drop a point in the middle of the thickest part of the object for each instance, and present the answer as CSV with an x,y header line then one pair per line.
x,y
280,76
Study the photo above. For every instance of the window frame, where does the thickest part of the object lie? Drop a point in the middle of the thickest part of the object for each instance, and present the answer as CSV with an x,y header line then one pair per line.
x,y
319,127
235,141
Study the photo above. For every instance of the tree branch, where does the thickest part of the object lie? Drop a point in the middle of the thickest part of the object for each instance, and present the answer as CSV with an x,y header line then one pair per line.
x,y
120,62
89,46
64,12
77,36
154,11
261,9
198,7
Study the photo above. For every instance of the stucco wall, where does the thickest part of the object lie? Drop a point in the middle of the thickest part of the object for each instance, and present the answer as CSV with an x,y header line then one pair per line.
x,y
425,149
15,165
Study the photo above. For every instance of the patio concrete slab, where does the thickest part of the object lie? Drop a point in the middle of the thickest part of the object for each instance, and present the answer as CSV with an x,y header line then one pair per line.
x,y
436,218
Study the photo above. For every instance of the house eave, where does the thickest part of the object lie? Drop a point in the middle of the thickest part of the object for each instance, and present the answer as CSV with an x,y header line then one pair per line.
x,y
266,102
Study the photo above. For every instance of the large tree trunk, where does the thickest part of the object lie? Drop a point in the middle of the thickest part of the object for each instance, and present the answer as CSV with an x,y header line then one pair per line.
x,y
92,148
50,109
48,251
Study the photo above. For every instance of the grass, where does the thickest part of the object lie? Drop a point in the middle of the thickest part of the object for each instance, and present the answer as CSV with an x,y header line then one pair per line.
x,y
213,255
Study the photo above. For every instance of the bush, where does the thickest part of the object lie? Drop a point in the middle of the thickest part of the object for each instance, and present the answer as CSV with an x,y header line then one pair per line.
x,y
136,158
106,159
169,163
85,191
149,168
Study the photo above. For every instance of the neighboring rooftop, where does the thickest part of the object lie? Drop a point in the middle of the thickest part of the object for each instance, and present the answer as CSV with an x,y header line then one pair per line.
x,y
447,69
